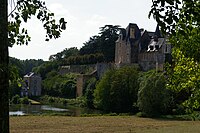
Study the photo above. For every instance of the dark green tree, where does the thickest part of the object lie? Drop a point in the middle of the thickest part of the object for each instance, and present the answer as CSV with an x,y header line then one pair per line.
x,y
153,97
46,67
89,92
117,90
103,43
59,85
24,66
73,51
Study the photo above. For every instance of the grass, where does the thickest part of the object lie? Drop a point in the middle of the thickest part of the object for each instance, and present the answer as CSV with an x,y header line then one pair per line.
x,y
99,124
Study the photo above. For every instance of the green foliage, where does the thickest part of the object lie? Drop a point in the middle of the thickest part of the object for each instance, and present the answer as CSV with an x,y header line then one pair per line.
x,y
117,90
84,59
14,81
184,79
24,100
79,102
103,43
45,68
173,15
23,11
182,19
15,99
17,69
189,44
60,85
102,91
153,97
24,66
89,91
73,51
14,88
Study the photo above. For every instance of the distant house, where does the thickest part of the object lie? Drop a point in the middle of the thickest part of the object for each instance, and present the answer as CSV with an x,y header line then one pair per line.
x,y
31,85
149,50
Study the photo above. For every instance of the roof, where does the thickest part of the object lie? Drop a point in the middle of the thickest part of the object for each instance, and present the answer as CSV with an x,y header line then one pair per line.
x,y
155,45
150,33
140,34
123,32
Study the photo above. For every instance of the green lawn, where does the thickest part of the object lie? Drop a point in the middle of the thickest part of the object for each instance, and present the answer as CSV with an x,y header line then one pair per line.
x,y
99,124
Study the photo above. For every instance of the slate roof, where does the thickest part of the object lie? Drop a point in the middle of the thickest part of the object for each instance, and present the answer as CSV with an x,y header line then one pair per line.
x,y
139,33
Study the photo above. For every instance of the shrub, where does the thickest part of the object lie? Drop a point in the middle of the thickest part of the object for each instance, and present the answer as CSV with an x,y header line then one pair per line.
x,y
15,99
24,100
117,90
60,85
153,97
90,87
102,92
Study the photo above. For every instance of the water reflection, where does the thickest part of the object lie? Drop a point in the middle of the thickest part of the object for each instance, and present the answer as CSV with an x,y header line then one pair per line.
x,y
49,108
41,109
33,109
16,113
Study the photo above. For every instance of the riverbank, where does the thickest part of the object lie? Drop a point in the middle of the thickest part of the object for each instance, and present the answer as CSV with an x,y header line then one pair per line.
x,y
99,124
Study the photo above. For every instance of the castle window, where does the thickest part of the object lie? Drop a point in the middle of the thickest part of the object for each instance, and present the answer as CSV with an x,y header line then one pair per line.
x,y
156,47
151,47
132,33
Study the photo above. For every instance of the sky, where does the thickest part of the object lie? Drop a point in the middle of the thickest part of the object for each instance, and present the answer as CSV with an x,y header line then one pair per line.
x,y
84,18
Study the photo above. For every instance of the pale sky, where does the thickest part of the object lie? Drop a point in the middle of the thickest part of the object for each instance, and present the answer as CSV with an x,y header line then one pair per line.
x,y
84,17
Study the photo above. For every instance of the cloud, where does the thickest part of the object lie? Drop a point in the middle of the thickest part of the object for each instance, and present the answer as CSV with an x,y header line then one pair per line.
x,y
96,20
61,11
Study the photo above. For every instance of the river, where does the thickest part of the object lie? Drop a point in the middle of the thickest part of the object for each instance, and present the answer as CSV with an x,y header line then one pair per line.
x,y
49,109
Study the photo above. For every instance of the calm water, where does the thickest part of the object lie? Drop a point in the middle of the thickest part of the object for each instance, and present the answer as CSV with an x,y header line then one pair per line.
x,y
41,109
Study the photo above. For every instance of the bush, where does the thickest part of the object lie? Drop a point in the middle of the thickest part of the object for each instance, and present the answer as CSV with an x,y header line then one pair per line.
x,y
24,100
90,87
153,97
15,99
60,85
117,90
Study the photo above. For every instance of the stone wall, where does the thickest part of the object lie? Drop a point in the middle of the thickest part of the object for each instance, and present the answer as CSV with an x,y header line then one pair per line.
x,y
99,71
80,82
79,69
151,60
102,68
122,52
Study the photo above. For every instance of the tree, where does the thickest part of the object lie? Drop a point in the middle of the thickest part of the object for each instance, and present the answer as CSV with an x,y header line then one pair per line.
x,y
73,51
59,85
184,81
12,33
103,43
153,97
176,15
181,20
89,92
117,90
4,84
24,66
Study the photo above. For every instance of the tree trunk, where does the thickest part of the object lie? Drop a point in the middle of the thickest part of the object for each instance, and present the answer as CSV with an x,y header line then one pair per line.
x,y
4,80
